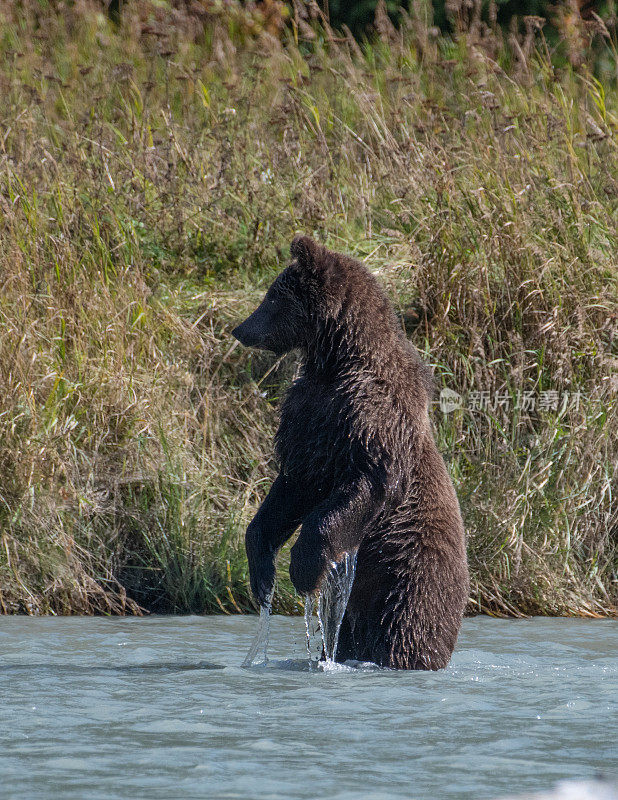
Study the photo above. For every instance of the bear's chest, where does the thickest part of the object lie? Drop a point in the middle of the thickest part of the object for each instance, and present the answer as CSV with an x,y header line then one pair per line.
x,y
316,438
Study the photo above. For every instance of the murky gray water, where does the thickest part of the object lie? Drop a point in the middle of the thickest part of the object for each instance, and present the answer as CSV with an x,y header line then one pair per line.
x,y
159,708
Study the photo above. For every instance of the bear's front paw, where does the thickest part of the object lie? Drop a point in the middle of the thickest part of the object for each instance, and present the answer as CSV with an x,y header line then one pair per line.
x,y
262,577
307,568
261,559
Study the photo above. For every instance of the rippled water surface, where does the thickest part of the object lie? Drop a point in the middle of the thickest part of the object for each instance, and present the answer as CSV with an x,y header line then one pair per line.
x,y
160,708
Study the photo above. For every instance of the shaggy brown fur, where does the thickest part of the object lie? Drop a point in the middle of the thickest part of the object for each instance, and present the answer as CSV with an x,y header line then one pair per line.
x,y
359,466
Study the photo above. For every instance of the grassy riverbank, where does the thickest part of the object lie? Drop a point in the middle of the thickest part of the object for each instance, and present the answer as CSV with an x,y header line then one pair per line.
x,y
150,185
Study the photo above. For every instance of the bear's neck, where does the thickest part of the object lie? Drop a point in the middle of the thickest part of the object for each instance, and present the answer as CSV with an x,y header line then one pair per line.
x,y
347,345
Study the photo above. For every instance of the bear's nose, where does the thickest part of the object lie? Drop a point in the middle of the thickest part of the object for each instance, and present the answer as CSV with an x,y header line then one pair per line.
x,y
242,332
237,333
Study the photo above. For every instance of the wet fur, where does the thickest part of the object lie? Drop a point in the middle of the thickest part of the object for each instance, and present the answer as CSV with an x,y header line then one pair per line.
x,y
359,465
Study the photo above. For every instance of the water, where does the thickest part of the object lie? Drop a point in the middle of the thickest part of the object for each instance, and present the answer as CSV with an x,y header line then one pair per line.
x,y
260,641
160,708
262,635
308,625
333,601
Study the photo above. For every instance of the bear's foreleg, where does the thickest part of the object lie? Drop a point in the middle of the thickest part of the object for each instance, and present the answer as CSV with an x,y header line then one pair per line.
x,y
276,520
335,527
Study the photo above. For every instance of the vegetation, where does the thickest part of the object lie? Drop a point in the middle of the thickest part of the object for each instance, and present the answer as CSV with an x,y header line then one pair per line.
x,y
150,184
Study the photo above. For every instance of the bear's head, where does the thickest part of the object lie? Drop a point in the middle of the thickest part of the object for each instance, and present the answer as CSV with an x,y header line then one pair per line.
x,y
300,300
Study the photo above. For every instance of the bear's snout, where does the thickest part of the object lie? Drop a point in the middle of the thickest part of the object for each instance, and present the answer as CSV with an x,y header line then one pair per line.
x,y
246,335
238,334
258,331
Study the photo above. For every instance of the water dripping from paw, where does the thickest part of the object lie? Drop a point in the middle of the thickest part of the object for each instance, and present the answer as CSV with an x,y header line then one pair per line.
x,y
260,640
332,603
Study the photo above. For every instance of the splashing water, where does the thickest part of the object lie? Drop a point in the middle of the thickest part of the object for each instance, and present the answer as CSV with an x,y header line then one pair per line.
x,y
308,615
331,606
333,601
260,641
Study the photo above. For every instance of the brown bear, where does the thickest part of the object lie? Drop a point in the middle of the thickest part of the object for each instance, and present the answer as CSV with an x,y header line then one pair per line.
x,y
359,468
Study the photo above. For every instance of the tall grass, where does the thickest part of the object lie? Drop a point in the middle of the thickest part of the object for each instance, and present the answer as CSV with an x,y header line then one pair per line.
x,y
149,188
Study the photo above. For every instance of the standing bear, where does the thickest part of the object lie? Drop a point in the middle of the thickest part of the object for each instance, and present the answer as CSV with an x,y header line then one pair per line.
x,y
360,470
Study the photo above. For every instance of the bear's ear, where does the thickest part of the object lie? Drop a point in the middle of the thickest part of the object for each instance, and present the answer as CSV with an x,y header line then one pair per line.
x,y
305,250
